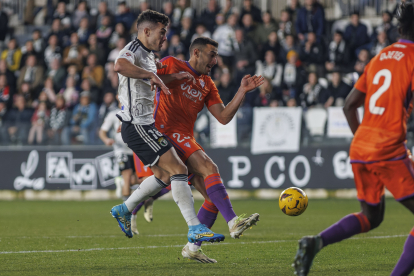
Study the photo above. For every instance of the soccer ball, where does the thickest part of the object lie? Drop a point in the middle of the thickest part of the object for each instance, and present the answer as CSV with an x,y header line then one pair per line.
x,y
293,201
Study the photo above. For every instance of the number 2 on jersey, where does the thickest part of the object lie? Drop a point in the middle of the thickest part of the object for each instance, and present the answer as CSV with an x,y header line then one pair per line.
x,y
384,87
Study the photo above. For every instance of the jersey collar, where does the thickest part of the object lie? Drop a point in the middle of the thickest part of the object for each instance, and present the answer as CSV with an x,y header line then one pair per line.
x,y
405,41
142,45
192,69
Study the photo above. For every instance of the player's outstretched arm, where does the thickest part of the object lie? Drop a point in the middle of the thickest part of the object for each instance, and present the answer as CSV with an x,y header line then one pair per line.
x,y
129,70
225,114
103,135
177,76
354,100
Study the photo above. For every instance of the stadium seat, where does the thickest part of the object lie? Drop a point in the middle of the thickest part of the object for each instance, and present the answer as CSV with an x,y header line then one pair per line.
x,y
315,119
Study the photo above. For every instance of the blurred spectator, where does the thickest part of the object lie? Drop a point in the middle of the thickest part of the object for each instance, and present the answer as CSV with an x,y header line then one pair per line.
x,y
80,12
32,74
4,27
337,54
380,43
264,29
249,8
270,69
56,29
102,12
72,71
226,38
108,104
58,120
286,26
186,31
105,30
49,90
312,53
38,42
288,44
11,78
112,81
387,27
312,92
72,55
168,9
143,6
362,61
229,9
271,44
182,9
39,120
245,56
28,50
52,51
248,27
83,31
124,15
356,34
226,87
294,77
337,91
17,121
82,122
12,55
115,52
86,86
61,13
95,48
3,129
93,71
57,74
310,18
6,92
208,16
219,20
70,93
176,47
200,31
267,95
29,95
293,8
120,32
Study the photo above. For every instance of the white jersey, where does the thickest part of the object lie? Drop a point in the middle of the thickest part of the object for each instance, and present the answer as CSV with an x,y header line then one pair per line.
x,y
135,95
111,122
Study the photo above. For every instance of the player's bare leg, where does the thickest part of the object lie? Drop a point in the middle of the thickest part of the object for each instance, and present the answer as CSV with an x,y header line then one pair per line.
x,y
406,262
369,218
127,177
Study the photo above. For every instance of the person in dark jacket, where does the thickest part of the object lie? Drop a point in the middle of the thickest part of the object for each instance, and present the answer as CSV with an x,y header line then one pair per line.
x,y
337,53
18,121
4,27
356,34
310,18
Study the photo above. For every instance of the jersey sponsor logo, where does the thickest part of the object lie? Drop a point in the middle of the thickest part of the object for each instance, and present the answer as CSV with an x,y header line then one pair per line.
x,y
190,93
397,55
128,54
187,145
400,46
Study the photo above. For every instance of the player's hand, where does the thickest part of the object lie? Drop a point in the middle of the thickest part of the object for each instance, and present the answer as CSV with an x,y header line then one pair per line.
x,y
184,75
160,65
109,142
249,83
157,82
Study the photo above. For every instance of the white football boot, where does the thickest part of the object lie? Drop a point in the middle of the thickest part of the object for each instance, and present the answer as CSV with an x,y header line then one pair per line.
x,y
198,255
148,207
134,229
242,224
119,183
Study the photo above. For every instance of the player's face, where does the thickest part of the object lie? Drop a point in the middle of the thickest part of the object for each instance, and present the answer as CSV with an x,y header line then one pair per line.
x,y
207,59
157,37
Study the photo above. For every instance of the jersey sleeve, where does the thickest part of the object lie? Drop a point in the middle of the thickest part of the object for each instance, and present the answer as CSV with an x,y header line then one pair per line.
x,y
128,55
213,96
108,122
166,61
361,83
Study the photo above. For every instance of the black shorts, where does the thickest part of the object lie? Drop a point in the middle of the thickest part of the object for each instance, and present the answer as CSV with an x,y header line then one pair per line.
x,y
145,141
126,162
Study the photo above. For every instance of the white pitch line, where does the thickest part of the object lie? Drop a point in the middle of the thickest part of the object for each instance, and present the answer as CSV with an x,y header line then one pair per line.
x,y
95,236
180,245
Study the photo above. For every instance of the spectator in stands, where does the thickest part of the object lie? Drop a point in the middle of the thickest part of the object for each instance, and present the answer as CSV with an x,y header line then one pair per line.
x,y
201,30
82,124
112,82
80,12
269,69
4,27
271,44
337,91
72,55
124,15
6,93
248,27
312,53
94,93
61,12
57,30
226,38
310,18
294,77
95,48
267,95
264,29
288,44
286,26
70,93
109,104
83,31
57,74
362,61
102,12
93,71
115,52
3,130
12,55
244,56
119,32
28,50
11,78
249,8
176,46
72,71
32,74
104,32
186,31
312,92
52,51
143,6
58,120
380,43
226,87
386,26
356,34
168,9
208,16
337,54
38,42
182,9
293,8
48,90
17,121
39,121
28,95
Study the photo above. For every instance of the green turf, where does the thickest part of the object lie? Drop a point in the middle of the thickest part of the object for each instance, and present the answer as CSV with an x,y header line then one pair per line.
x,y
267,249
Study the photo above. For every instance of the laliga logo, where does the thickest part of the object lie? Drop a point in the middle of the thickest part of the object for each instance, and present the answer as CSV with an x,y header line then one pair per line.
x,y
27,169
194,93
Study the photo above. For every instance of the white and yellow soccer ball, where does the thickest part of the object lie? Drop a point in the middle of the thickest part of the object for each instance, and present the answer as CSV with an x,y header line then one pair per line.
x,y
293,201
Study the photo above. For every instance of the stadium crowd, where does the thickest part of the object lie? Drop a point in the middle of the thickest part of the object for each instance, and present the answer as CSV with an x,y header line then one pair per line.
x,y
58,86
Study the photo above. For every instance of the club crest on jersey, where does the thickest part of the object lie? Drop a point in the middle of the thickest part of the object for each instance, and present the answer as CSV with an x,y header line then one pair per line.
x,y
187,145
162,142
202,83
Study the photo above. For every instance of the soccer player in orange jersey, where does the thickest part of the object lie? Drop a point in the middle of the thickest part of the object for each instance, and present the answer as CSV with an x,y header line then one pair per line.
x,y
175,117
378,152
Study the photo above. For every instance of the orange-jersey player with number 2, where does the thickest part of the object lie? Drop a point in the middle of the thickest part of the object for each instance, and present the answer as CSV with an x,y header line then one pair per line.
x,y
378,152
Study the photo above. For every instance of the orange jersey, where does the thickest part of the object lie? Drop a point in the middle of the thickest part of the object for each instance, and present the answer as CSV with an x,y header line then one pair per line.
x,y
388,81
178,112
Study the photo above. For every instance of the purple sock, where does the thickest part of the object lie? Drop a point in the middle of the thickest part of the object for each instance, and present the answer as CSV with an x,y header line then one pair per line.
x,y
135,211
218,195
345,228
207,215
159,194
406,262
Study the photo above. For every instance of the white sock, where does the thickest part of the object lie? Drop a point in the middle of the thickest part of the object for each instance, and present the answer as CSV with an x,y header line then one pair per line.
x,y
231,222
193,247
147,188
182,195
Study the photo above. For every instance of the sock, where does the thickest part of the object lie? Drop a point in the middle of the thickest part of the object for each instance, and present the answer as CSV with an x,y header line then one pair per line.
x,y
207,215
147,188
194,246
218,195
159,194
406,262
345,228
138,207
184,198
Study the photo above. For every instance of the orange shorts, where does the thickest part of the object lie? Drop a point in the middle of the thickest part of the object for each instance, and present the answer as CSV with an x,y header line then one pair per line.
x,y
372,179
184,144
140,169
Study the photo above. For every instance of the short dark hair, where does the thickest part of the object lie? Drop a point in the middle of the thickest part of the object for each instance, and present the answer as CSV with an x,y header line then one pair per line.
x,y
202,41
405,16
152,17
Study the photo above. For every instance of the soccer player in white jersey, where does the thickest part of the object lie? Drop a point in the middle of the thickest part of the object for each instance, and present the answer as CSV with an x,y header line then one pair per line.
x,y
137,68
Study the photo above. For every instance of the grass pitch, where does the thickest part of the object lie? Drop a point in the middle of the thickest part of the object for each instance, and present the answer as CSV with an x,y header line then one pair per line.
x,y
81,238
